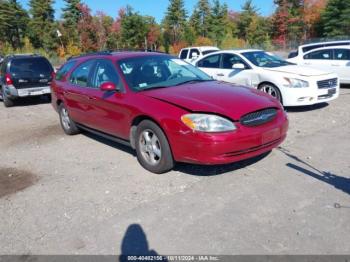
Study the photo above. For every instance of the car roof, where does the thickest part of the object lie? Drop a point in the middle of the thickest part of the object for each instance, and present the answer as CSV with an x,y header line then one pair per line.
x,y
326,42
239,51
202,48
117,55
329,47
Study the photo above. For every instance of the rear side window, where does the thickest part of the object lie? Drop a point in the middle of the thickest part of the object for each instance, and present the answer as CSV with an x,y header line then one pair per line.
x,y
80,76
194,52
212,61
184,54
293,54
321,54
342,54
64,70
35,65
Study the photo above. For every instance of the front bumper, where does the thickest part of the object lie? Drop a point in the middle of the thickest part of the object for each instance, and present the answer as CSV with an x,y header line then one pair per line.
x,y
309,96
13,92
224,148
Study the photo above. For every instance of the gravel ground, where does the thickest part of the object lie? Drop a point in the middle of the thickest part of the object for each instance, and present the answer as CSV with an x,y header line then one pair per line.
x,y
86,195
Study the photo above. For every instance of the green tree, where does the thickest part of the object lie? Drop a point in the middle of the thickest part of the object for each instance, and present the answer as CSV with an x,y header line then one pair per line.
x,y
218,22
42,27
175,20
249,11
71,15
133,29
336,18
200,19
13,23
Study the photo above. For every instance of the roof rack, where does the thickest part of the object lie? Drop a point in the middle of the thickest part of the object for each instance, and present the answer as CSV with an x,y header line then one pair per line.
x,y
111,52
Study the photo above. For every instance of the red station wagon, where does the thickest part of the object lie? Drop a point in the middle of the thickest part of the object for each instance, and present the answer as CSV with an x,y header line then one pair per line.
x,y
166,109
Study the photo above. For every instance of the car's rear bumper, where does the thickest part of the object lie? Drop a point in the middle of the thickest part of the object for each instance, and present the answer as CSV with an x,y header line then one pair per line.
x,y
12,92
244,143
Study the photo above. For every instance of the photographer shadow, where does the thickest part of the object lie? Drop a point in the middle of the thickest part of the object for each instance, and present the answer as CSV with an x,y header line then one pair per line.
x,y
135,244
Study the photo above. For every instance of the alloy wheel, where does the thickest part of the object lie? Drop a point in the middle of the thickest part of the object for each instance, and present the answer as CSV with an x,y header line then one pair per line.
x,y
150,147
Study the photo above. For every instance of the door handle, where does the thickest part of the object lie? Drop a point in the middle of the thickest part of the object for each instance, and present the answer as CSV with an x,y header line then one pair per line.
x,y
307,63
335,65
220,74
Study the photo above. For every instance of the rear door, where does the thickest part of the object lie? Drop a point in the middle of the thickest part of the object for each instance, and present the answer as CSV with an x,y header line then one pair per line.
x,y
30,72
76,93
319,59
210,65
341,64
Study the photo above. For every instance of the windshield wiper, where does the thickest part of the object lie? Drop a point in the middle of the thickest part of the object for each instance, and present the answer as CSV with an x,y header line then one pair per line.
x,y
153,87
194,81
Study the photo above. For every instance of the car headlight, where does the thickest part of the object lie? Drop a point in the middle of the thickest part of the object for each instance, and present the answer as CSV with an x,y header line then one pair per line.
x,y
207,123
295,83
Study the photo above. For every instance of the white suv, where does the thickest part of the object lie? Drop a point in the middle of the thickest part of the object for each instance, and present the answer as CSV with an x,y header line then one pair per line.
x,y
292,85
334,59
189,54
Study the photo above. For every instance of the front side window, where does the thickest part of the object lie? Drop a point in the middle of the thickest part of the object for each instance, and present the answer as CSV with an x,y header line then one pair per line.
x,y
105,72
228,60
184,54
212,61
80,76
342,54
263,59
143,73
320,55
64,70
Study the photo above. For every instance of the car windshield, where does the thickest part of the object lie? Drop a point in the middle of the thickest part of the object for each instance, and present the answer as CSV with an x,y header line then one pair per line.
x,y
150,72
263,59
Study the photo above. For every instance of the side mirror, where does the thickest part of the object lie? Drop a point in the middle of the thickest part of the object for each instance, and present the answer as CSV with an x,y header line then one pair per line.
x,y
239,66
108,86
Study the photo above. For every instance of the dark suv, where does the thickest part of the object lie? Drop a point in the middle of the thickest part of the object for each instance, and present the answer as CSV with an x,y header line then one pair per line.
x,y
23,76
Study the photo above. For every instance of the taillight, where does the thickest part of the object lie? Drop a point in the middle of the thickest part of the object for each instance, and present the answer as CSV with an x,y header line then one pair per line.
x,y
8,79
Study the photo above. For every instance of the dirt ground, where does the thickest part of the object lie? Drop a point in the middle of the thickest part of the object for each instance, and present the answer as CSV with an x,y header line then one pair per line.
x,y
86,195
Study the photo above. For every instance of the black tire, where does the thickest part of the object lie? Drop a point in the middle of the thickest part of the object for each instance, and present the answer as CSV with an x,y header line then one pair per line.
x,y
157,164
7,101
67,124
274,93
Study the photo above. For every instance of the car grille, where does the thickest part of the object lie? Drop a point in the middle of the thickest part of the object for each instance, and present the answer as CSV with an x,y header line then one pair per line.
x,y
329,83
259,117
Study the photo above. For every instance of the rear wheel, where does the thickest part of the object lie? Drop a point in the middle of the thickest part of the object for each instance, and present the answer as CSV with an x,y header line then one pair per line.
x,y
7,101
272,90
152,148
68,125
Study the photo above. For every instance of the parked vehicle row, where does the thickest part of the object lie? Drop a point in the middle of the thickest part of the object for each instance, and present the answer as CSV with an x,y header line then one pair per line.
x,y
209,111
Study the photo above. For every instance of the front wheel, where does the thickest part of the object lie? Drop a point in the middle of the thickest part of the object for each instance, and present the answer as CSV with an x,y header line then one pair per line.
x,y
272,90
68,125
152,148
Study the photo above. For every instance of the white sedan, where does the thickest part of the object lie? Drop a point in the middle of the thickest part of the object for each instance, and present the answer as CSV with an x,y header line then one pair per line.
x,y
292,85
331,59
